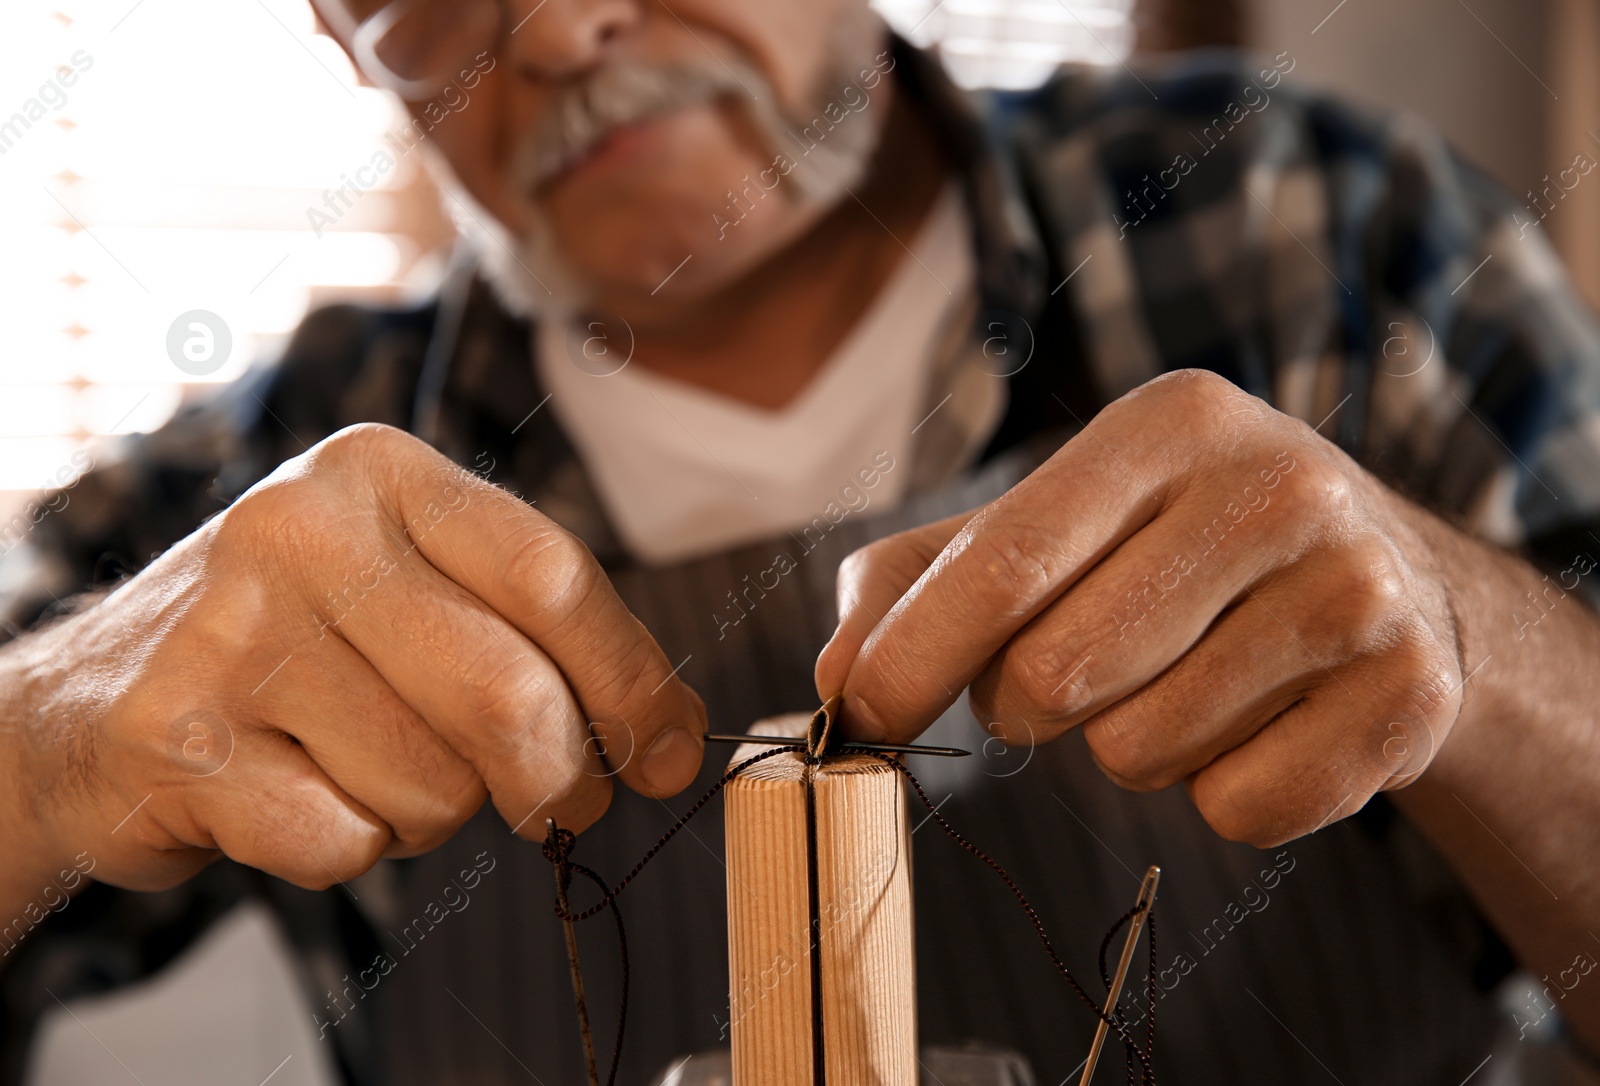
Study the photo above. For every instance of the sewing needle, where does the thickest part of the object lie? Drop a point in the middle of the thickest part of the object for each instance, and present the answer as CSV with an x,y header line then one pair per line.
x,y
1147,900
572,963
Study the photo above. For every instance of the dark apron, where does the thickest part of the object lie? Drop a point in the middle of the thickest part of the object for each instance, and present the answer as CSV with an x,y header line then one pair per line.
x,y
1354,947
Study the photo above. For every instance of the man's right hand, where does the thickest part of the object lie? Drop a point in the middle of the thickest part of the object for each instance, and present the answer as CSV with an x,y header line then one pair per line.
x,y
339,667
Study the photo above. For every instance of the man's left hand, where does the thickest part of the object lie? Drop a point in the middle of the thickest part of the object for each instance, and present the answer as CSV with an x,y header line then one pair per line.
x,y
1214,592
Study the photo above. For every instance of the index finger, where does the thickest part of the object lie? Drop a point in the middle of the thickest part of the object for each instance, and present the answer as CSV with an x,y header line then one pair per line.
x,y
546,583
1000,569
869,583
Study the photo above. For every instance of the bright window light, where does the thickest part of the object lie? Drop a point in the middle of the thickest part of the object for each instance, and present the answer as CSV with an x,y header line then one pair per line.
x,y
158,158
1014,44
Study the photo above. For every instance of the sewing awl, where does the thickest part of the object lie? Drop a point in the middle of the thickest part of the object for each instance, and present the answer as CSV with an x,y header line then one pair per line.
x,y
1142,907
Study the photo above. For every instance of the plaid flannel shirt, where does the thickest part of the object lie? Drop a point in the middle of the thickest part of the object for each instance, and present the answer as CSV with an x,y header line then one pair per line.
x,y
1346,266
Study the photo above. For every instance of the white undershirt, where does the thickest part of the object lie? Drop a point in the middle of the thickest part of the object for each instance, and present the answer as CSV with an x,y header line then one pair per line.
x,y
682,471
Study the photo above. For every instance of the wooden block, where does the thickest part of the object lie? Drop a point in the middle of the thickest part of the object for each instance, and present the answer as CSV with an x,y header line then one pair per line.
x,y
853,905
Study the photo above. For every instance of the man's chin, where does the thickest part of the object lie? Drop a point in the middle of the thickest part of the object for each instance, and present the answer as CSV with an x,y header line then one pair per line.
x,y
532,277
528,273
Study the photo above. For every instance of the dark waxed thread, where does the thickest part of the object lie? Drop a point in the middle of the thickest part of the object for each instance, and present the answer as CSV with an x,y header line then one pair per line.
x,y
559,852
1105,944
611,894
1147,1072
1150,985
1134,1051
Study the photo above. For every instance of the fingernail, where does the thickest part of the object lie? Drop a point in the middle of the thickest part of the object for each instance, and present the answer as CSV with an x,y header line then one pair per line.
x,y
672,760
824,671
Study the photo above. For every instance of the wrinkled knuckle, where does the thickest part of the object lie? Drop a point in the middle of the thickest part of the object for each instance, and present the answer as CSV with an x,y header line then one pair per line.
x,y
287,525
502,693
450,805
555,569
1196,397
1318,493
1047,680
1364,599
1122,753
244,619
355,845
333,859
1229,813
635,670
361,444
1202,385
892,685
578,797
1196,409
458,803
863,562
275,517
893,560
1438,676
1427,674
1005,572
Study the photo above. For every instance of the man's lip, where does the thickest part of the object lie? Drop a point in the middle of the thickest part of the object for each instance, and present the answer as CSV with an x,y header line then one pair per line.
x,y
613,146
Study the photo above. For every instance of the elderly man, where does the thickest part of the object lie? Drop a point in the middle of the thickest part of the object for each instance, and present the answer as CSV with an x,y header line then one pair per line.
x,y
1206,432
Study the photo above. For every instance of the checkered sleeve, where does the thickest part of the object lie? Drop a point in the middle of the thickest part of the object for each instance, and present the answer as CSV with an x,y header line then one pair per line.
x,y
1344,264
1483,391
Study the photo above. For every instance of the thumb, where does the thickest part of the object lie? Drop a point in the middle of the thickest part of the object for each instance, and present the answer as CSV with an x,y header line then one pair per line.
x,y
870,582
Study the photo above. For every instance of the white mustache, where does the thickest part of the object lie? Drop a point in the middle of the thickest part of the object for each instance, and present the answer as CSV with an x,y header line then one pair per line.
x,y
616,95
532,273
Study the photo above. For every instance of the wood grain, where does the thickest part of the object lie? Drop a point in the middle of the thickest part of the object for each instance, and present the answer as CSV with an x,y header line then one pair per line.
x,y
864,924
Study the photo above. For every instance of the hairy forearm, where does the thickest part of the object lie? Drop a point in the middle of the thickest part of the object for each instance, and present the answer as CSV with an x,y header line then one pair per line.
x,y
34,882
1512,799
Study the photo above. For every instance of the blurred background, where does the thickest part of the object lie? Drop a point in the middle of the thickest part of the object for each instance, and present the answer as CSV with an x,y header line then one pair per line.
x,y
176,170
